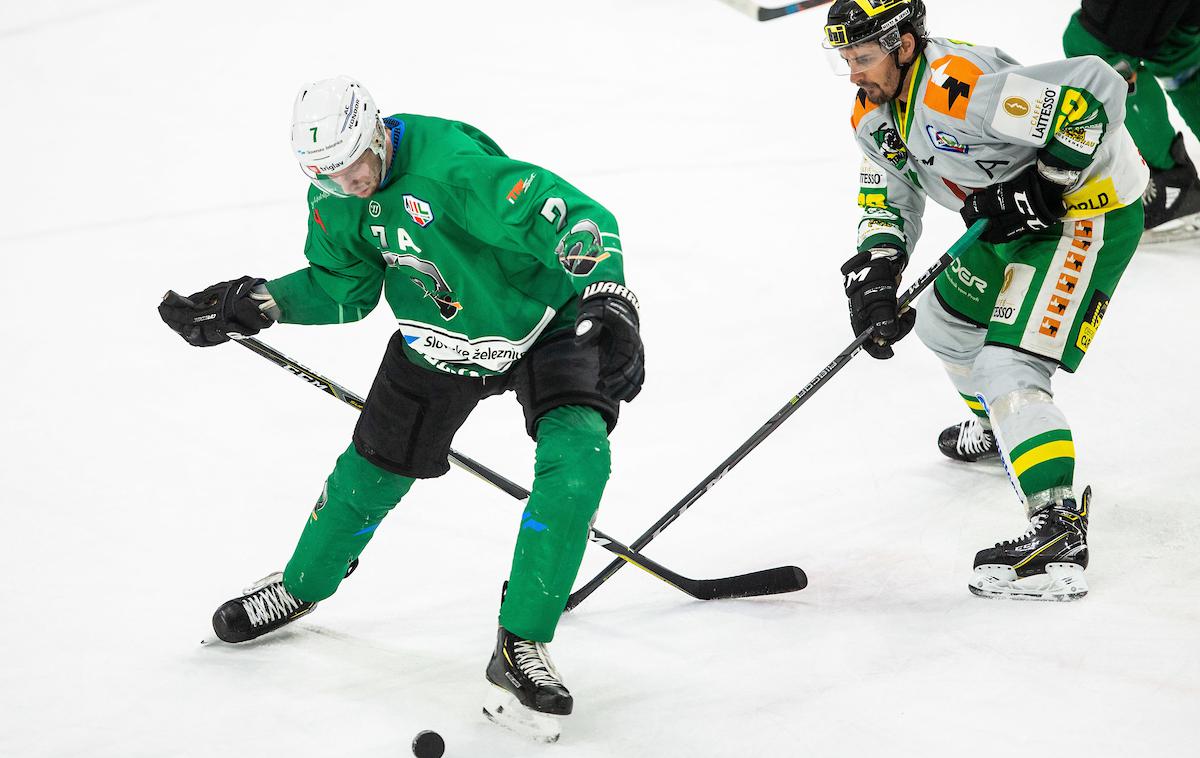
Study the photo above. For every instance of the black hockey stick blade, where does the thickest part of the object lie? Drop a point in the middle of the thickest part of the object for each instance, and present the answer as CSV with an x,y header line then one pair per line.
x,y
767,14
774,581
754,10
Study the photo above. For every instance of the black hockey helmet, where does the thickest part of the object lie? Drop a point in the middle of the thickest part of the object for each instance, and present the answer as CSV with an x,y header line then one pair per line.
x,y
852,22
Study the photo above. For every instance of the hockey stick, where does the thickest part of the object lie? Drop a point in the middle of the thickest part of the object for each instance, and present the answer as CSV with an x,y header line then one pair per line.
x,y
771,581
780,416
754,10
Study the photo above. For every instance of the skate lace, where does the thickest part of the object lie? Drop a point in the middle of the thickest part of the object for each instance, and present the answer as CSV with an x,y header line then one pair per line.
x,y
269,604
1150,193
534,662
973,438
1035,524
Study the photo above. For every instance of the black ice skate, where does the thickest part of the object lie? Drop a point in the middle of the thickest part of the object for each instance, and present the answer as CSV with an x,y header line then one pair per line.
x,y
968,441
527,694
1045,563
1172,200
263,608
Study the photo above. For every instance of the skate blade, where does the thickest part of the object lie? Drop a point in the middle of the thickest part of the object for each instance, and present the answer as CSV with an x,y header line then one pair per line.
x,y
1061,582
502,707
1184,229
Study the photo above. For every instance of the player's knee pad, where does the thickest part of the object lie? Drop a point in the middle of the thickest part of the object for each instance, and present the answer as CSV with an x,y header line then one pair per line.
x,y
573,455
353,502
955,341
1009,379
361,486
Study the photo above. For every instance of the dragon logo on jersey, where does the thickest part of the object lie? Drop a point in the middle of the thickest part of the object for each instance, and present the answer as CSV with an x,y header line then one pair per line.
x,y
581,249
419,210
429,278
891,147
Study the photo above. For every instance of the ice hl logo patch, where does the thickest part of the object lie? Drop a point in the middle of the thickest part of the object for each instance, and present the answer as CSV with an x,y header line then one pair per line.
x,y
946,141
419,210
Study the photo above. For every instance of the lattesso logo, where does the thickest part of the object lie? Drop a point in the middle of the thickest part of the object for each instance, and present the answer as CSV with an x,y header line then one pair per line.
x,y
1041,119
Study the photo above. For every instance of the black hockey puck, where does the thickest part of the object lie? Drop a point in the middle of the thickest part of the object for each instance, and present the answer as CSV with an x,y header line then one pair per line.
x,y
428,744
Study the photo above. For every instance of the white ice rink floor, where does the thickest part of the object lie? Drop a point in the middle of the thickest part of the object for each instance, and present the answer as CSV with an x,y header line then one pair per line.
x,y
144,482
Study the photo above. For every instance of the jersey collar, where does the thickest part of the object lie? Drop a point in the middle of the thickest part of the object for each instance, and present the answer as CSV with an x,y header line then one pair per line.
x,y
396,129
904,120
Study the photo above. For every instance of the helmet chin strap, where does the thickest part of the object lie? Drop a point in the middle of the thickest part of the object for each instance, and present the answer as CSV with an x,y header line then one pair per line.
x,y
904,68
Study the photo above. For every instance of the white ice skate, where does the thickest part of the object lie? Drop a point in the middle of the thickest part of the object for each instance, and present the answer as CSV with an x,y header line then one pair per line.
x,y
503,708
1062,581
1186,229
1045,563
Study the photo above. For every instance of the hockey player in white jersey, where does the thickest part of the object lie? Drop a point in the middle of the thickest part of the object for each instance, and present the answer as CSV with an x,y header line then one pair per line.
x,y
1041,152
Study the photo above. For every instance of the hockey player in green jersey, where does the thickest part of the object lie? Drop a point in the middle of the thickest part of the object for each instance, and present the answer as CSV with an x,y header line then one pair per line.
x,y
1155,45
1041,153
501,276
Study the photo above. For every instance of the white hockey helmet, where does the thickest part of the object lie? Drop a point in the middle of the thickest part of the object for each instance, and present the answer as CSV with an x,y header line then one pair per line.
x,y
335,121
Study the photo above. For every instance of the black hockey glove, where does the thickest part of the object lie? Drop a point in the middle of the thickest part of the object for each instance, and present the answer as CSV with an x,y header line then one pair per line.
x,y
209,316
1029,203
871,280
608,318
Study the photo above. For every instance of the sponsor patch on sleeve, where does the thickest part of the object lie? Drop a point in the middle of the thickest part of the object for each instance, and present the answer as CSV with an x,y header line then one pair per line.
x,y
872,199
872,226
871,176
1082,140
520,188
952,81
1027,109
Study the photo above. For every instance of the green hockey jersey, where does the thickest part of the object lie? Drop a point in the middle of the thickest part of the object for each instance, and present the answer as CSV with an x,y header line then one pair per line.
x,y
476,253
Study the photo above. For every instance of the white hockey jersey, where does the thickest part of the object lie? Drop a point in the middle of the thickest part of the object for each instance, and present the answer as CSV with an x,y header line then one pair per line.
x,y
973,117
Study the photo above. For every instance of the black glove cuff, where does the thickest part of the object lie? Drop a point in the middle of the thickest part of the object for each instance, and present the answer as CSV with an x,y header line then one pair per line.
x,y
1047,197
610,289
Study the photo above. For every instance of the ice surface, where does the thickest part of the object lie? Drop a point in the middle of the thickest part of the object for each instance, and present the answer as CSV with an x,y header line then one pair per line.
x,y
145,482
